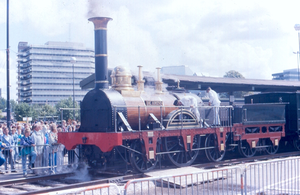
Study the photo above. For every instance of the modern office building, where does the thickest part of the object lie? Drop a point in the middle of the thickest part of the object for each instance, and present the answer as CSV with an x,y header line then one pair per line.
x,y
289,75
47,73
177,70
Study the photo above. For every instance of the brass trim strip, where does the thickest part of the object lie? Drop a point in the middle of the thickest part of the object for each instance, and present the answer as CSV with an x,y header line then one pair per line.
x,y
100,28
101,81
101,55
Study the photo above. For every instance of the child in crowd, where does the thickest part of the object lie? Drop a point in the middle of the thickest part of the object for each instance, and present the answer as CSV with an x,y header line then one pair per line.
x,y
27,144
20,135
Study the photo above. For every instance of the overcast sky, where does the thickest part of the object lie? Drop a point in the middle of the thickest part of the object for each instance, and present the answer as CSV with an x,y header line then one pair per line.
x,y
255,38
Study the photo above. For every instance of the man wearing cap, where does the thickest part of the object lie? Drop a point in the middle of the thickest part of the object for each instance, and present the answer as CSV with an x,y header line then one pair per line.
x,y
215,102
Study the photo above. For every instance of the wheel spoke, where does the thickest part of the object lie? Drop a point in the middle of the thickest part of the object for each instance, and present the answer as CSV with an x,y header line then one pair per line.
x,y
245,149
138,160
181,157
271,149
175,145
213,154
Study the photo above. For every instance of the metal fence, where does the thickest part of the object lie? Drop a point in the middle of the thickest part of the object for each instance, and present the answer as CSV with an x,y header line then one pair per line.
x,y
280,176
273,177
263,178
225,180
49,159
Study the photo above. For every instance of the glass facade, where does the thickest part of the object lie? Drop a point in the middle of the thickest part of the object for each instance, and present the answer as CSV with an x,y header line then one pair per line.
x,y
289,75
45,72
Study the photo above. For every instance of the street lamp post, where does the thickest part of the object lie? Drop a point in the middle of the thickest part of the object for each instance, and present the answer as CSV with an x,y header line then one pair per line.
x,y
7,70
297,28
73,61
297,63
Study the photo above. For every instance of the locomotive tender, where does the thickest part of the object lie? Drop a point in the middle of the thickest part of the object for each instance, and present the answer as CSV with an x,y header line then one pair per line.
x,y
144,127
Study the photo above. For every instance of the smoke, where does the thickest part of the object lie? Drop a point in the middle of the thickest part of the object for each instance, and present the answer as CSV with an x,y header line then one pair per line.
x,y
81,174
98,8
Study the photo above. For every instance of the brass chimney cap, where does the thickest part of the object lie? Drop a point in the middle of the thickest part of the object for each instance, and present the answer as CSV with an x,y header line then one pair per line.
x,y
100,22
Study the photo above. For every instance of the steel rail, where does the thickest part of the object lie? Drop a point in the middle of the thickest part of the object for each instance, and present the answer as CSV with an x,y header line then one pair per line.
x,y
85,184
34,179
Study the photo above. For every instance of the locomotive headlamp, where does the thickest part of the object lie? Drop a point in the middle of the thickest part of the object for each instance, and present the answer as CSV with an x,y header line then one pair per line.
x,y
84,139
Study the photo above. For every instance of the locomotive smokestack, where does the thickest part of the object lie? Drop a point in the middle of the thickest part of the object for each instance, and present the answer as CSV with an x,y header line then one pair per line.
x,y
100,23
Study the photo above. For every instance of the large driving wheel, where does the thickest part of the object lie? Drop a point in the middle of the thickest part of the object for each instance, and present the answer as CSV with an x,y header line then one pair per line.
x,y
245,149
177,153
296,143
212,152
271,149
138,158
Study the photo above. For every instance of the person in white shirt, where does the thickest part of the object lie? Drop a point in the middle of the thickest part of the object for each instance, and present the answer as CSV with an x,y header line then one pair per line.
x,y
9,149
38,137
215,102
191,102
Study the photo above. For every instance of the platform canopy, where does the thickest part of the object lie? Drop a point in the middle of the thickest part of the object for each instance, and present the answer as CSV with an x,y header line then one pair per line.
x,y
219,84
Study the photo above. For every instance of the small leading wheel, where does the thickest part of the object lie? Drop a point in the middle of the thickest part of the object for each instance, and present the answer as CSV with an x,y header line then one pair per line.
x,y
95,157
177,153
212,152
271,149
245,149
139,159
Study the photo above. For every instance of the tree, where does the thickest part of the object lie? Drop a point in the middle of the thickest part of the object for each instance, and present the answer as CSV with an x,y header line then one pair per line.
x,y
23,110
235,74
2,103
13,105
47,110
67,103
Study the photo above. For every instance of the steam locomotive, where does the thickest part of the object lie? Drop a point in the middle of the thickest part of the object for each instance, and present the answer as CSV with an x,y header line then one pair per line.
x,y
143,128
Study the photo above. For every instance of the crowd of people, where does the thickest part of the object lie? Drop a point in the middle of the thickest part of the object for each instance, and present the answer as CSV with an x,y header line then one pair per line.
x,y
33,145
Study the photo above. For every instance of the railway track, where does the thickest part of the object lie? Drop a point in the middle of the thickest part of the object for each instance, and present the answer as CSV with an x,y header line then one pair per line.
x,y
58,182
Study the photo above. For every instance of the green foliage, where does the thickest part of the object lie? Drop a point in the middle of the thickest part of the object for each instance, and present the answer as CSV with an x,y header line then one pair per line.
x,y
234,74
47,110
35,111
67,103
2,103
23,110
13,105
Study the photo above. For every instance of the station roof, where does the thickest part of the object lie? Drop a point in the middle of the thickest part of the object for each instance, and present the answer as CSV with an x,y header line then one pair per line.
x,y
219,84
